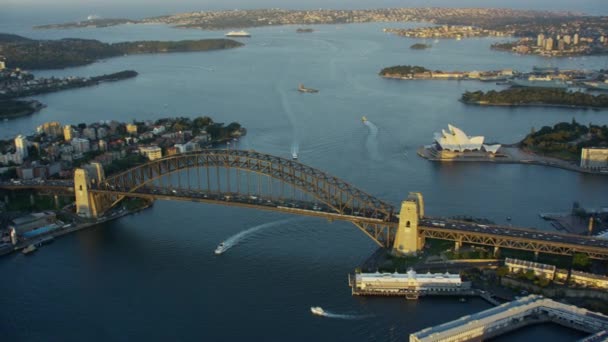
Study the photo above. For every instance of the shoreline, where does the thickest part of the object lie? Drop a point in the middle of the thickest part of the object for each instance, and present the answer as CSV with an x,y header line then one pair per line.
x,y
512,158
64,231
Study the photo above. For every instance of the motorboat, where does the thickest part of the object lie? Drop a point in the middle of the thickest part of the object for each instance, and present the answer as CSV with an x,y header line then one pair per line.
x,y
221,248
363,119
317,310
294,155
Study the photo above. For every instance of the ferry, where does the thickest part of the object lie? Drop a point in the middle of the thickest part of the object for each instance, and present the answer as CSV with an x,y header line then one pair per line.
x,y
294,156
539,83
221,248
363,119
238,34
29,249
317,310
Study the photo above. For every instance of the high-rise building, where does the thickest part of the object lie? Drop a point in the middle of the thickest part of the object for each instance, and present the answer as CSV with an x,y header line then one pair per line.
x,y
575,39
567,39
68,133
90,133
103,145
21,145
540,40
2,63
560,45
81,145
52,129
549,44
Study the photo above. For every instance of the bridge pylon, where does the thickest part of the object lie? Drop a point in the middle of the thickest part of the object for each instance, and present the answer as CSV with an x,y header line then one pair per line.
x,y
88,204
407,239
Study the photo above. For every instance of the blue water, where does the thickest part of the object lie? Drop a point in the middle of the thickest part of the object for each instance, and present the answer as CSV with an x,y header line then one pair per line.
x,y
153,276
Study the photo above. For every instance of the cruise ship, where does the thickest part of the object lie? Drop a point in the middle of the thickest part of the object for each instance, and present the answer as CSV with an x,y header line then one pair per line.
x,y
238,34
294,155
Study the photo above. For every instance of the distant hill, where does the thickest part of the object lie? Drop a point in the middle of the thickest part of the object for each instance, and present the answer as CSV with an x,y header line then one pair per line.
x,y
11,38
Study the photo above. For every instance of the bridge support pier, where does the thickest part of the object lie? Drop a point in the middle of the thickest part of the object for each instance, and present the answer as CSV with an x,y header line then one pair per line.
x,y
56,198
496,251
32,199
457,245
407,239
85,202
536,255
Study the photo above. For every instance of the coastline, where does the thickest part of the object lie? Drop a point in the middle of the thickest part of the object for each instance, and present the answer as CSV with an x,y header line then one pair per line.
x,y
513,105
513,155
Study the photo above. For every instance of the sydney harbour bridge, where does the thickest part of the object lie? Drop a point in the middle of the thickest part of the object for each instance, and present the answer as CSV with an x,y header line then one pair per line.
x,y
262,181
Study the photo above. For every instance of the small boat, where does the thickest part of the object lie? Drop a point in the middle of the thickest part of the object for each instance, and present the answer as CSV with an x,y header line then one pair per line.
x,y
303,89
29,249
363,119
221,248
463,300
508,218
317,310
294,156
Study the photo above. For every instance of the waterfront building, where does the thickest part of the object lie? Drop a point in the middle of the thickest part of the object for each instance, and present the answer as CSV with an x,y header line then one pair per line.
x,y
21,146
510,316
32,221
457,141
132,129
540,40
80,145
52,129
68,133
151,152
595,158
540,270
583,279
549,44
410,283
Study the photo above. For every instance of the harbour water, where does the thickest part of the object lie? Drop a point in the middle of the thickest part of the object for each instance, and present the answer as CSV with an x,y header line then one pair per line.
x,y
154,275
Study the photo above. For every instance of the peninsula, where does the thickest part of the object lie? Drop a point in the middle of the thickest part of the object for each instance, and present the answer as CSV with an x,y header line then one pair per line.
x,y
24,53
15,108
538,97
569,146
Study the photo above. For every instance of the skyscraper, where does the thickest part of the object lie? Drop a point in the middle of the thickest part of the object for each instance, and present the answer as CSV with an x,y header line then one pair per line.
x,y
67,133
575,40
549,44
21,145
540,41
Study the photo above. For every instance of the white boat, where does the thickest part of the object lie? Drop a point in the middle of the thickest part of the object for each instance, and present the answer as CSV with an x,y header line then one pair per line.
x,y
221,248
294,156
238,34
317,310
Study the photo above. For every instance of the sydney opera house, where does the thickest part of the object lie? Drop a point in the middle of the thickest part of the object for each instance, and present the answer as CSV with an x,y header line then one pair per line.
x,y
456,140
454,143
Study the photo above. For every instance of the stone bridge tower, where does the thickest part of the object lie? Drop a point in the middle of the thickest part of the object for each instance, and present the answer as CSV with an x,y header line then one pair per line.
x,y
407,239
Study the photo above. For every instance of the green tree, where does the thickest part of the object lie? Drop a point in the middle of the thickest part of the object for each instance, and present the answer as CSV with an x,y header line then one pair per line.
x,y
580,260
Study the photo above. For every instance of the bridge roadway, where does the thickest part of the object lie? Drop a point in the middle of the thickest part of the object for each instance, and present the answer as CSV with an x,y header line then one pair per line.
x,y
429,227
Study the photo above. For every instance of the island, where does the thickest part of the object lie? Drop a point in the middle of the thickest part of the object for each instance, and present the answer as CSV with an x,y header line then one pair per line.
x,y
538,97
420,46
16,108
24,53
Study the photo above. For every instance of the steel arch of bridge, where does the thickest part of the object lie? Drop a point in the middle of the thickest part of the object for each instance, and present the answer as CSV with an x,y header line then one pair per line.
x,y
373,216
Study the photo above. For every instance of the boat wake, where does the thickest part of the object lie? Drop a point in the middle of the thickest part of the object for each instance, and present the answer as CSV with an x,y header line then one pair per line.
x,y
371,143
239,237
329,314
